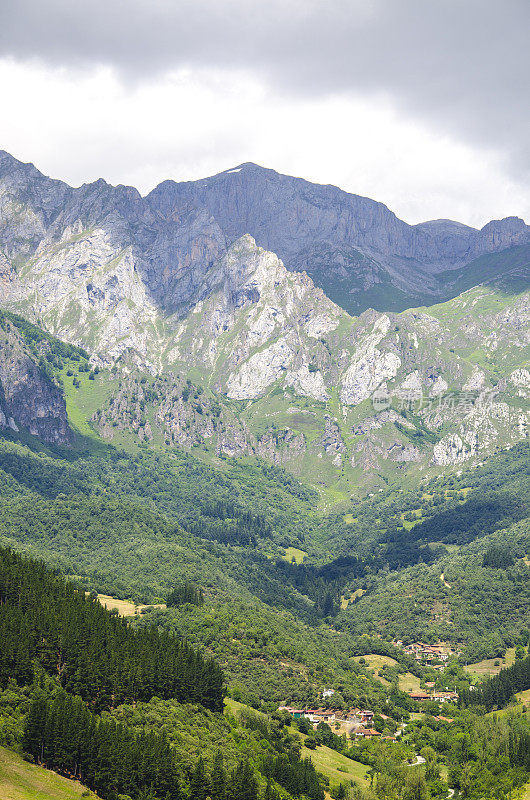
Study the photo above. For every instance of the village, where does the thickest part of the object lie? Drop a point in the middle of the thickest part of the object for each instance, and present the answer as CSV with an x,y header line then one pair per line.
x,y
427,652
353,722
359,722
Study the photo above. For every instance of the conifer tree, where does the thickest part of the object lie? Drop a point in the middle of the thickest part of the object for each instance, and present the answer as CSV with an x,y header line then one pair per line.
x,y
218,778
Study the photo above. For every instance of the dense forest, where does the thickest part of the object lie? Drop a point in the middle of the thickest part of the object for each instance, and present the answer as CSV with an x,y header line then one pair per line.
x,y
92,653
63,735
76,660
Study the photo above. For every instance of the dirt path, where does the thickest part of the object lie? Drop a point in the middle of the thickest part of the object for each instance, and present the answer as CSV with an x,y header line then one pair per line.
x,y
442,578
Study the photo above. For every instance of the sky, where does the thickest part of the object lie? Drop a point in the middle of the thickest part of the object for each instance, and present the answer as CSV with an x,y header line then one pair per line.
x,y
421,104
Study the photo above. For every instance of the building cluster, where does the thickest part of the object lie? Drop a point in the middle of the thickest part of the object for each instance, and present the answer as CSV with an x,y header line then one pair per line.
x,y
425,652
330,715
356,720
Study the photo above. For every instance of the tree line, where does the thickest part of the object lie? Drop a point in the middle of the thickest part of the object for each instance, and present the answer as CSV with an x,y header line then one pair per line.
x,y
185,593
92,652
497,691
113,760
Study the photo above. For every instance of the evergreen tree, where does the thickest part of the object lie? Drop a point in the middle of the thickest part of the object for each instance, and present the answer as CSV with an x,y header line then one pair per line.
x,y
218,778
199,783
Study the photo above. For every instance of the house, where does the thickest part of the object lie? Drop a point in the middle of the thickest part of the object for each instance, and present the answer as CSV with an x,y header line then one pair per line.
x,y
419,696
367,716
325,716
328,693
367,733
317,715
296,713
445,697
426,652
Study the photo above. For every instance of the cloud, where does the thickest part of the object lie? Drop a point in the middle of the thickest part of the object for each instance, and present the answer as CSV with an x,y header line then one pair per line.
x,y
459,65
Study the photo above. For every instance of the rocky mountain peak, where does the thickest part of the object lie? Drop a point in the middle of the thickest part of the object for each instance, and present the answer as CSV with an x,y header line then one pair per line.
x,y
245,264
9,163
353,247
501,233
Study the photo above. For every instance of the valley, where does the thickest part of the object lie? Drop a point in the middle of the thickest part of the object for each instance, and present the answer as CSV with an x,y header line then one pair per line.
x,y
258,457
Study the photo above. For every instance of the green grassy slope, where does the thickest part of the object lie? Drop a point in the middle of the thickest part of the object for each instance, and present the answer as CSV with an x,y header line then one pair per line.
x,y
22,781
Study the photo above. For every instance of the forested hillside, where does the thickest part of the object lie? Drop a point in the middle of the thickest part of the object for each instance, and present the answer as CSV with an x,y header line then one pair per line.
x,y
65,659
92,653
467,582
129,526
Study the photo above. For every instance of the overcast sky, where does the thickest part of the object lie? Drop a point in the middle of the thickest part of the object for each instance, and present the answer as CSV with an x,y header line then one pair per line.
x,y
422,104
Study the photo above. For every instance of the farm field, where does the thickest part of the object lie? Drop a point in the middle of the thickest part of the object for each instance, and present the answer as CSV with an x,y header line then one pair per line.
x,y
523,697
376,663
22,781
125,608
483,669
409,682
335,766
294,553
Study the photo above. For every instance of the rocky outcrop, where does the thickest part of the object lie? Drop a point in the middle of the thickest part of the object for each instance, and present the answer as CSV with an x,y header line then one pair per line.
x,y
180,413
28,397
481,426
259,324
453,449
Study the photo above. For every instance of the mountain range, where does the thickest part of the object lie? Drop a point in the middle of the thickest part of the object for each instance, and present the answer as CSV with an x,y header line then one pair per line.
x,y
285,434
256,314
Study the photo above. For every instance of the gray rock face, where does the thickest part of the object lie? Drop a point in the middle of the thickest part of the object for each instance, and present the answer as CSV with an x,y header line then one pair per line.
x,y
288,215
28,398
354,248
160,282
346,243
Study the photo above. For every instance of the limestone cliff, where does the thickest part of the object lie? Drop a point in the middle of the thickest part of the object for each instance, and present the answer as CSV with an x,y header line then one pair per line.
x,y
28,397
175,284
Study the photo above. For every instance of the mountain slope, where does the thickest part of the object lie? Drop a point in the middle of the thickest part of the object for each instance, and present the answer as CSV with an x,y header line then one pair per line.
x,y
22,781
357,250
154,290
29,397
291,377
265,364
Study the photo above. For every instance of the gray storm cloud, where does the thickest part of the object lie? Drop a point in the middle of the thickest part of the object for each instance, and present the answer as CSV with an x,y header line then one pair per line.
x,y
462,65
